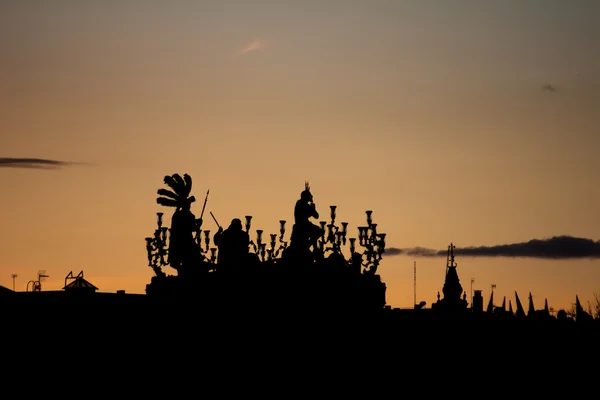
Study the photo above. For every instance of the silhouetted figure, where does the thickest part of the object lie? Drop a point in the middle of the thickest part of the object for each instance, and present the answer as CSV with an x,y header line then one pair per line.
x,y
233,244
531,310
356,263
490,306
562,315
477,305
304,233
184,251
520,310
580,314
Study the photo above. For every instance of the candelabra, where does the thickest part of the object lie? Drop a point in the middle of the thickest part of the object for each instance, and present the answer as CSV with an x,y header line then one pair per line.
x,y
260,248
157,246
373,243
332,240
334,237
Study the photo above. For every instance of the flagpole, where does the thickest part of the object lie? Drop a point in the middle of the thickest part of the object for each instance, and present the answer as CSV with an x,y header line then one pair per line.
x,y
472,280
415,289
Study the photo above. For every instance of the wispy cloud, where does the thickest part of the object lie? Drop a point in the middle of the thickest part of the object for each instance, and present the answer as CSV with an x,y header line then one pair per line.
x,y
253,46
34,163
549,88
557,247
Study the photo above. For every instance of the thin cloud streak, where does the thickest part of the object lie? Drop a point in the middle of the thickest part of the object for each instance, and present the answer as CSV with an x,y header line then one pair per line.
x,y
557,247
34,163
253,46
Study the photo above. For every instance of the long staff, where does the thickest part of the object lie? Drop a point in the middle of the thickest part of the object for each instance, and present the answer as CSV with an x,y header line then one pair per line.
x,y
204,206
216,222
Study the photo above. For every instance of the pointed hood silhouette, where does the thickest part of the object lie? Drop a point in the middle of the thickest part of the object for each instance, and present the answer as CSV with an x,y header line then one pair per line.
x,y
520,310
490,307
531,310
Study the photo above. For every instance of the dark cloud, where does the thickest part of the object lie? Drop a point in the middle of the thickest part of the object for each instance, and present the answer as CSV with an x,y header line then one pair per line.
x,y
557,247
35,163
549,88
414,251
393,251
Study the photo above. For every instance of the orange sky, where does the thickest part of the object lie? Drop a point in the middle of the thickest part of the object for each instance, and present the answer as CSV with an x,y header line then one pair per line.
x,y
455,121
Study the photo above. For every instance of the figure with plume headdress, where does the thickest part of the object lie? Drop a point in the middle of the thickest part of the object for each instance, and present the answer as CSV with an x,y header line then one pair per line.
x,y
184,251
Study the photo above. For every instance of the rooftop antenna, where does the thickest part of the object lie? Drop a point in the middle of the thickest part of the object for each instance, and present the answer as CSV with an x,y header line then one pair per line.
x,y
14,276
41,276
37,285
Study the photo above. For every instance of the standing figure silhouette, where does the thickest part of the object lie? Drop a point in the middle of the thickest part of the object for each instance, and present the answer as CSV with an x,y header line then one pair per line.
x,y
233,244
304,232
184,251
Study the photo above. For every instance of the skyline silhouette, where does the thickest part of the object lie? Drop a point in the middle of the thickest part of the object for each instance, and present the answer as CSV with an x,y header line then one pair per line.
x,y
465,122
307,276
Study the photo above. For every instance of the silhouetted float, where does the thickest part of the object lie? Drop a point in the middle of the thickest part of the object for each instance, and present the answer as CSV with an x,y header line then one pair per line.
x,y
310,273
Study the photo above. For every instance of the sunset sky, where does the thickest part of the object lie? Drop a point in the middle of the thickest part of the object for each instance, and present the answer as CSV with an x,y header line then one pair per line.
x,y
472,122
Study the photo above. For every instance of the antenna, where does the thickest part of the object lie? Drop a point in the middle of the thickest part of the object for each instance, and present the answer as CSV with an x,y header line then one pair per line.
x,y
37,287
415,294
14,276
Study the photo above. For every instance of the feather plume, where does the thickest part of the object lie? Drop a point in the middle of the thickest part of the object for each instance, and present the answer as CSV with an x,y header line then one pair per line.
x,y
168,193
164,201
180,182
188,184
172,183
